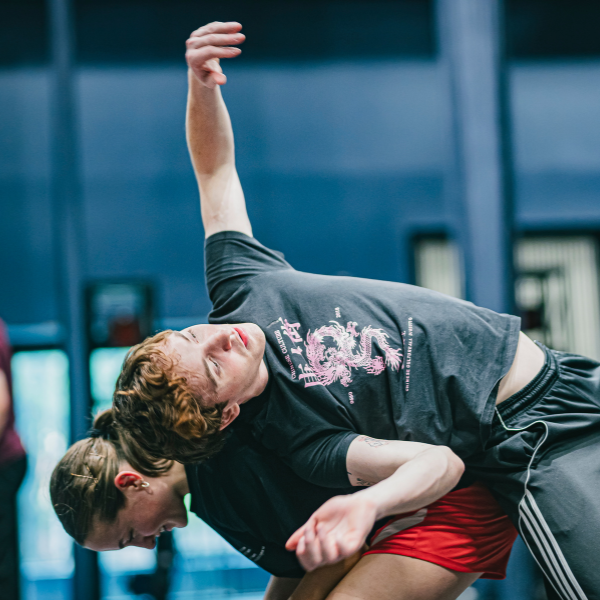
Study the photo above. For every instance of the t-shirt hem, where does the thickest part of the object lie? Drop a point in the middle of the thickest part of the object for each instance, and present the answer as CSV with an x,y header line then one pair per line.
x,y
512,343
292,573
510,350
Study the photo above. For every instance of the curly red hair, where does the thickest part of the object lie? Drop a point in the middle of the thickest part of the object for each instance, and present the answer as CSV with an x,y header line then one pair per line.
x,y
155,408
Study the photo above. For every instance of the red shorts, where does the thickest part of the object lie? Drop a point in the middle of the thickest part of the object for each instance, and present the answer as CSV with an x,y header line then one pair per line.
x,y
465,531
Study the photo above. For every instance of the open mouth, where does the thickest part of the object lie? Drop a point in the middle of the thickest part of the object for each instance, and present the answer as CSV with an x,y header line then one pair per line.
x,y
163,529
242,334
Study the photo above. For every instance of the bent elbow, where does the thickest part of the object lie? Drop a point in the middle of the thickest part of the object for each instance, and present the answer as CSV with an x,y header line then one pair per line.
x,y
455,467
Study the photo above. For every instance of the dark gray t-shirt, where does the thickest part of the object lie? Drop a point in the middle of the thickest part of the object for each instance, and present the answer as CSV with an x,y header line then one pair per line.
x,y
349,356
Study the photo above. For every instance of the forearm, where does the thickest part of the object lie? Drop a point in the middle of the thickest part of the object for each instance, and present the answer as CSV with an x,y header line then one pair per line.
x,y
317,584
208,129
210,141
281,588
410,475
417,483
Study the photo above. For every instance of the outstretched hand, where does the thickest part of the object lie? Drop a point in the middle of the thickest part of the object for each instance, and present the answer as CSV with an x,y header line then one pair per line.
x,y
207,45
335,531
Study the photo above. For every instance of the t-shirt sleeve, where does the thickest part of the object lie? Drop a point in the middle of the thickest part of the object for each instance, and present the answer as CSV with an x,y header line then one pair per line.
x,y
322,461
313,444
232,259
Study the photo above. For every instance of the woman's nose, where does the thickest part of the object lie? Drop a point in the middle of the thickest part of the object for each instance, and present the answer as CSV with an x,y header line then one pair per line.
x,y
148,542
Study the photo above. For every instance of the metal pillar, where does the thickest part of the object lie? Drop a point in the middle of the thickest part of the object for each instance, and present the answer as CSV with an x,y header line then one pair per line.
x,y
69,249
480,183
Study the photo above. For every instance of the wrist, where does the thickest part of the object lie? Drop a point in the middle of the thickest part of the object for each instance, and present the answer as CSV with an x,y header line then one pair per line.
x,y
383,500
370,503
193,79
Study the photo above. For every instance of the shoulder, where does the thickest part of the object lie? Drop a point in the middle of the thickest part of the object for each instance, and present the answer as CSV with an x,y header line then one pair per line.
x,y
232,259
240,242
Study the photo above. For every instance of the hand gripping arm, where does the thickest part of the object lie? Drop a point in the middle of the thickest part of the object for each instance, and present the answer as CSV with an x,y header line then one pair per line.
x,y
403,477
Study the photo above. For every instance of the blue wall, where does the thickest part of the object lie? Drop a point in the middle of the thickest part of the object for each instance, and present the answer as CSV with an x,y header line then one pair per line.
x,y
341,163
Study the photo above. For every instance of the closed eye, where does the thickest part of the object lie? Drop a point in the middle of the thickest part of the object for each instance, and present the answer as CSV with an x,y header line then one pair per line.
x,y
181,334
209,372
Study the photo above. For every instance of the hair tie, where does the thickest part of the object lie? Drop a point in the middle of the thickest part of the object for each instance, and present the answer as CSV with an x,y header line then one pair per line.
x,y
99,433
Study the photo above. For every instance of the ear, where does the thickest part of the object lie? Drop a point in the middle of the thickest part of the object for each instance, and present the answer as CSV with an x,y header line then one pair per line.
x,y
229,414
128,479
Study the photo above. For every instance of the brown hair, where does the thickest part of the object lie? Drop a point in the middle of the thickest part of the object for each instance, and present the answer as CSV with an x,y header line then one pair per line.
x,y
156,410
82,485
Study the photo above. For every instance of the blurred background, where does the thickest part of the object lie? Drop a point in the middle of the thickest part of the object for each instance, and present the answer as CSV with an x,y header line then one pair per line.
x,y
425,142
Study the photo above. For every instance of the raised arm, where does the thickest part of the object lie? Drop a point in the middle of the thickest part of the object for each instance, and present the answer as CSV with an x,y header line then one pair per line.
x,y
399,477
209,132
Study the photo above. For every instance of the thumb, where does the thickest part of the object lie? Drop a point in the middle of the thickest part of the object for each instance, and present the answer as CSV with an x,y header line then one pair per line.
x,y
292,543
219,78
213,65
350,543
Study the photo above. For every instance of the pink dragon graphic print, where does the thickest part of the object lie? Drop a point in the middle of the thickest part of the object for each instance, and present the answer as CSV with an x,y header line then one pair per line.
x,y
327,363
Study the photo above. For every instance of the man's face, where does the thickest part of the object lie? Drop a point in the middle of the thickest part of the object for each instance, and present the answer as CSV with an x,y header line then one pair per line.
x,y
222,363
148,511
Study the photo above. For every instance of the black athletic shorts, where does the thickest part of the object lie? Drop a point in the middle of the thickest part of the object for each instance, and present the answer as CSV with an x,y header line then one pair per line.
x,y
542,463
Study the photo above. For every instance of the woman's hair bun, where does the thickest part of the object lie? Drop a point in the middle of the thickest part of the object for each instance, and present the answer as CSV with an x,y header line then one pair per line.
x,y
104,425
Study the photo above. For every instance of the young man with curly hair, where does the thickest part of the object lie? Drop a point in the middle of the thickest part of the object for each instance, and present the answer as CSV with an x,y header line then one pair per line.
x,y
387,386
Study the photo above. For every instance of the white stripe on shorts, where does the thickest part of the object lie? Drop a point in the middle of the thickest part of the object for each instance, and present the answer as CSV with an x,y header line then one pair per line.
x,y
535,531
400,525
560,572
